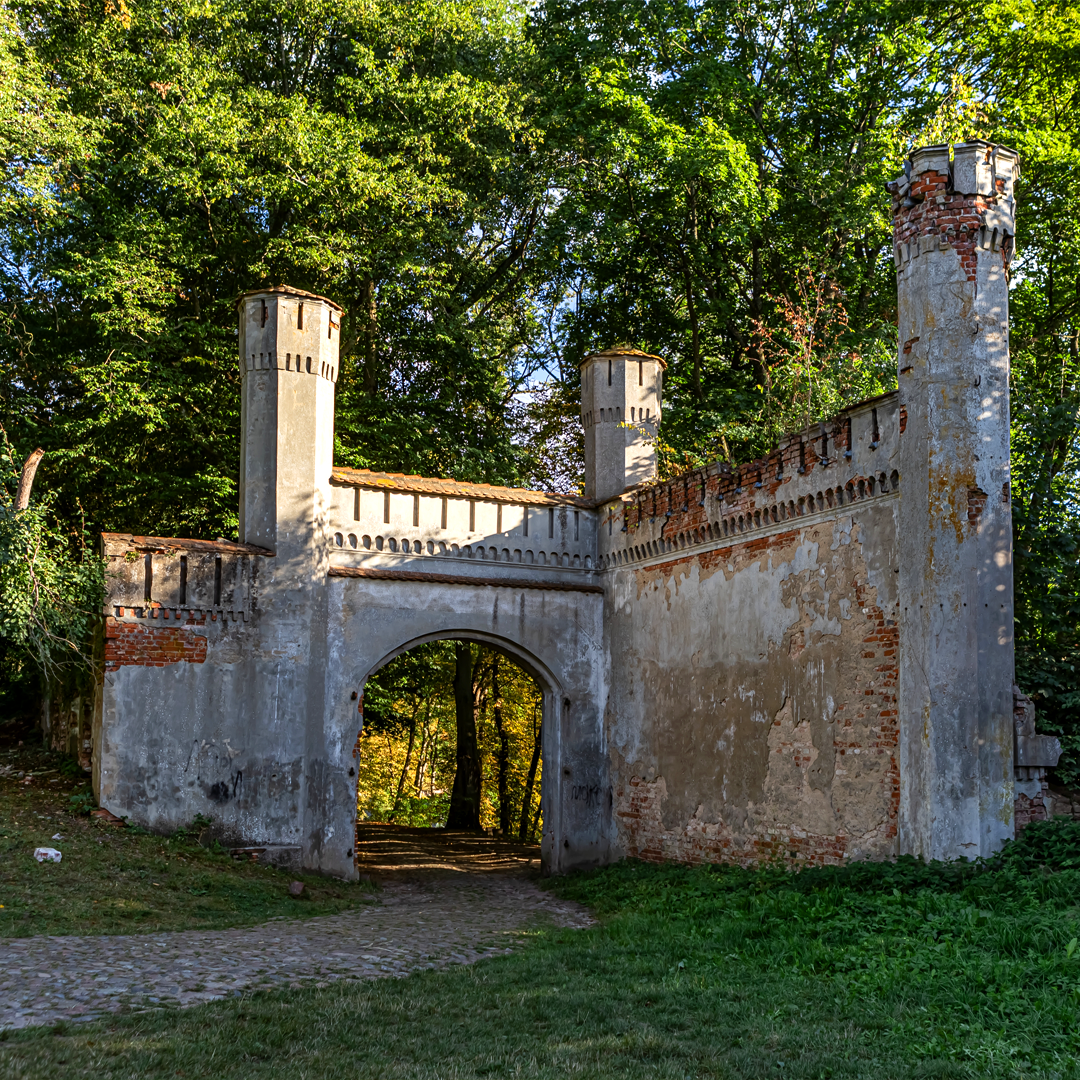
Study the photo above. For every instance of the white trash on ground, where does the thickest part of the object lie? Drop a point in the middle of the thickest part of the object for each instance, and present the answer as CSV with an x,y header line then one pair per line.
x,y
47,854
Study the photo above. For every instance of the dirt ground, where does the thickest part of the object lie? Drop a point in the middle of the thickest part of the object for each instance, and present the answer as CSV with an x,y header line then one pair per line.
x,y
400,852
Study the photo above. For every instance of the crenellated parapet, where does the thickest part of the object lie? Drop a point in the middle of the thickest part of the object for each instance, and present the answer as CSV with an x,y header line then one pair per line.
x,y
169,579
412,523
850,459
286,329
289,361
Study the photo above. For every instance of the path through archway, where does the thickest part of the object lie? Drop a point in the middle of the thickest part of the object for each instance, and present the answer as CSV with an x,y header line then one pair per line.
x,y
388,850
449,762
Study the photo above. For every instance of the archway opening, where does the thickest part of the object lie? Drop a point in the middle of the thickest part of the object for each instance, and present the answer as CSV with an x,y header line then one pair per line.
x,y
449,762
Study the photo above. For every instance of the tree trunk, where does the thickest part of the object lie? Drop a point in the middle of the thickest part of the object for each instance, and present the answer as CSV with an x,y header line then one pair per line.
x,y
465,795
526,802
535,823
26,481
405,767
504,751
422,755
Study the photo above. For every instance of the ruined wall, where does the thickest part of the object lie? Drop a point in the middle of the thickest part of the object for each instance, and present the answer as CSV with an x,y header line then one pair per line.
x,y
67,719
752,622
181,726
808,657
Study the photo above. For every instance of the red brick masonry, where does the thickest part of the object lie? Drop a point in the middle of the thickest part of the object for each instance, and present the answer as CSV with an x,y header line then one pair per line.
x,y
1026,810
130,644
936,212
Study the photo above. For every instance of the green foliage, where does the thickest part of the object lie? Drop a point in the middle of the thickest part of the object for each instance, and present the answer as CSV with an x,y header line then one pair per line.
x,y
1030,54
711,153
890,972
82,803
50,588
70,767
812,361
374,152
1043,845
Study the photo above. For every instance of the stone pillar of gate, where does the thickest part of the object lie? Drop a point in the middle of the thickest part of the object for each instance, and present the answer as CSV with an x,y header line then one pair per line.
x,y
289,341
953,236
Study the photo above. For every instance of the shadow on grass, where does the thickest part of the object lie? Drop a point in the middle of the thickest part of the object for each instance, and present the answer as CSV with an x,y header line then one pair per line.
x,y
899,971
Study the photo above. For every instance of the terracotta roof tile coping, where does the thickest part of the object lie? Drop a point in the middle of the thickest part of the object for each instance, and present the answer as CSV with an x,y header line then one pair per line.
x,y
288,290
625,352
119,543
431,486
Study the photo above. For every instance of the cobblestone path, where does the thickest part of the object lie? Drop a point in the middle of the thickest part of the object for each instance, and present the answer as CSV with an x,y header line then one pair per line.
x,y
422,923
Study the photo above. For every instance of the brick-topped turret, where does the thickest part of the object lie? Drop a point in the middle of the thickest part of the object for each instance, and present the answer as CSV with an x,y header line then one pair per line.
x,y
964,203
953,229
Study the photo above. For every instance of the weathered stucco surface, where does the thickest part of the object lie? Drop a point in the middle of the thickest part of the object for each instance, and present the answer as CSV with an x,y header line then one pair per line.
x,y
806,657
233,673
752,620
954,229
759,712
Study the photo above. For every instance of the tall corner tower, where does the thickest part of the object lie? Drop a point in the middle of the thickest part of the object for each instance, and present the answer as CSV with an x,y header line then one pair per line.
x,y
953,240
621,393
289,345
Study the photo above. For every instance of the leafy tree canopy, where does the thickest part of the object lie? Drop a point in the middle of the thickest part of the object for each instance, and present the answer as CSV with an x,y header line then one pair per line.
x,y
491,189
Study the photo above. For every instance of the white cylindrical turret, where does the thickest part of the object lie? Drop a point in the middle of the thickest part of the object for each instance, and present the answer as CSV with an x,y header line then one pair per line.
x,y
953,230
289,344
621,392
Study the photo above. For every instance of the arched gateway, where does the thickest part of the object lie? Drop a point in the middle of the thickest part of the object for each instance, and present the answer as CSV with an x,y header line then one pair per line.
x,y
808,656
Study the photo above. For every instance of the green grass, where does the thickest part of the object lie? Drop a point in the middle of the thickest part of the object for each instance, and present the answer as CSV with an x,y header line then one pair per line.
x,y
897,971
115,880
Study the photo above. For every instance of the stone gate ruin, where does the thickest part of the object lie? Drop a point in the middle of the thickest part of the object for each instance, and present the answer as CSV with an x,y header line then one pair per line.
x,y
808,657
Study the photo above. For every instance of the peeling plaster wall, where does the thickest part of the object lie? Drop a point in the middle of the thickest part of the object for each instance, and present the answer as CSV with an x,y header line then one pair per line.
x,y
198,684
752,626
753,706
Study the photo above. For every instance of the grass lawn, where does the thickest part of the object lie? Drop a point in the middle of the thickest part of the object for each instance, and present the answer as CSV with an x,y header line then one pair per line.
x,y
894,971
115,880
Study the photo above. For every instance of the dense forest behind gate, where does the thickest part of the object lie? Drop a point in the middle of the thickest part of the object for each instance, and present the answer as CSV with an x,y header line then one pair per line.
x,y
420,735
491,190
